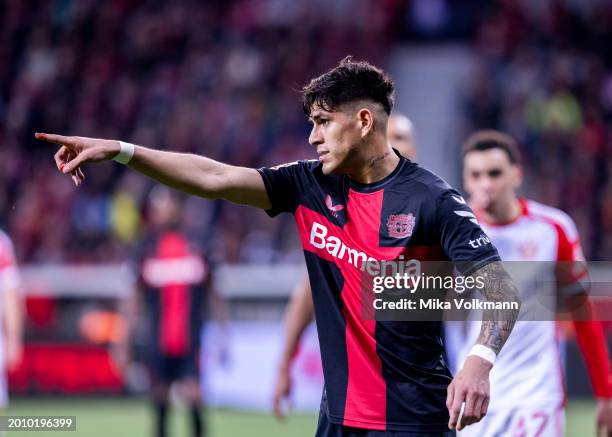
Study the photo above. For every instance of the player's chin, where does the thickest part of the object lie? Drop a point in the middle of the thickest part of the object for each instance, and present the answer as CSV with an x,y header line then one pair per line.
x,y
490,204
329,167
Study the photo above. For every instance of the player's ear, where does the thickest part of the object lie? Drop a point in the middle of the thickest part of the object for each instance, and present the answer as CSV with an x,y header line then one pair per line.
x,y
365,120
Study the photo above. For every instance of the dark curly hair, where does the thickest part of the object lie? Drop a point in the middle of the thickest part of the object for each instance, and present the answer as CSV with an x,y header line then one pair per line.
x,y
348,82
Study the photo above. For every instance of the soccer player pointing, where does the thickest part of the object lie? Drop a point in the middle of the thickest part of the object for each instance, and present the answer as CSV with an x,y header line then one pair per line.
x,y
300,311
381,377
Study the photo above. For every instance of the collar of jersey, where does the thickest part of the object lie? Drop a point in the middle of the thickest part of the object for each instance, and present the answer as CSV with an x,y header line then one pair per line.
x,y
374,186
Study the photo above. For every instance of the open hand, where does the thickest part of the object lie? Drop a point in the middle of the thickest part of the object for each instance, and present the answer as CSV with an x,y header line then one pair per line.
x,y
282,391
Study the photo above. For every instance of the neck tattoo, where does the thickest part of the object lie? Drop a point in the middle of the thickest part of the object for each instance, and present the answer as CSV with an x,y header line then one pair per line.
x,y
375,159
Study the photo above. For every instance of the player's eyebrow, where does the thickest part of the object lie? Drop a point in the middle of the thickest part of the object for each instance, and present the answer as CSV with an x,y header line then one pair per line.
x,y
317,116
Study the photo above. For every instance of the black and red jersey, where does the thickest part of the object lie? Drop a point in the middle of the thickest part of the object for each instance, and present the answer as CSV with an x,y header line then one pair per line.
x,y
173,276
382,375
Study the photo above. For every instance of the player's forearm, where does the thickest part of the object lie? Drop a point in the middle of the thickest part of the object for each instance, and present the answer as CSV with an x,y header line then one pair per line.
x,y
299,314
202,176
295,330
185,172
497,324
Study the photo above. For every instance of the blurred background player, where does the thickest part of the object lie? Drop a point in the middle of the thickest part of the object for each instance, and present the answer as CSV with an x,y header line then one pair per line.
x,y
527,388
174,282
401,135
11,313
300,310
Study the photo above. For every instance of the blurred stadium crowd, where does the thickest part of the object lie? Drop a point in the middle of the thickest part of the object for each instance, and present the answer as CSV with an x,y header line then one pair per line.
x,y
220,78
545,75
211,78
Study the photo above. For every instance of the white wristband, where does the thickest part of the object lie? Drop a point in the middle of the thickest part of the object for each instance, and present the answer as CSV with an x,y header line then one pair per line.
x,y
483,352
125,153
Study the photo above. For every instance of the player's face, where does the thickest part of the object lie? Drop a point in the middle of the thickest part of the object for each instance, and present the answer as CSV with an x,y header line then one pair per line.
x,y
399,133
336,135
164,211
490,178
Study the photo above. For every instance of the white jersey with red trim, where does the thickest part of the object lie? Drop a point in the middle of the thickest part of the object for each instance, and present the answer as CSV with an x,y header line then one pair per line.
x,y
9,279
527,371
9,275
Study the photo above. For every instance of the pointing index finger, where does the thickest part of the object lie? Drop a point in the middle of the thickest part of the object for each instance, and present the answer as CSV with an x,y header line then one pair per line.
x,y
53,138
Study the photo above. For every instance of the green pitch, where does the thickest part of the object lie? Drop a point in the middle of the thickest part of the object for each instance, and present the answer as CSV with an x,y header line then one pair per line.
x,y
132,418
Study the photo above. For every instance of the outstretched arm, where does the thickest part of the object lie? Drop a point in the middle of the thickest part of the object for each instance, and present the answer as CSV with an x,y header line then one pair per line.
x,y
185,172
299,314
471,384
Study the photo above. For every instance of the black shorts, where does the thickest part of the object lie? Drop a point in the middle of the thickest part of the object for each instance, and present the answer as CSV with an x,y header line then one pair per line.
x,y
327,429
170,369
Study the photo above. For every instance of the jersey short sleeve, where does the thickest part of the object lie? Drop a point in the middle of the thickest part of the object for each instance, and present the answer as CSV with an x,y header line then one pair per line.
x,y
461,237
571,270
9,274
285,185
569,248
